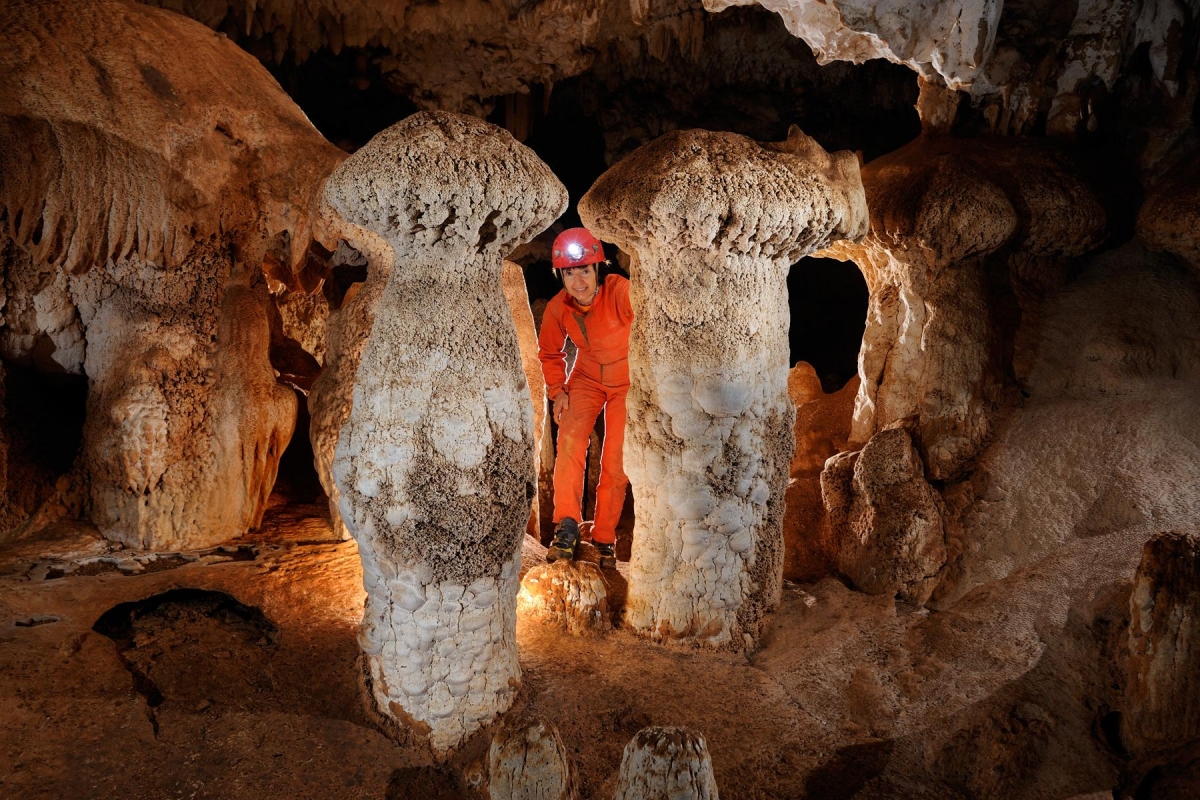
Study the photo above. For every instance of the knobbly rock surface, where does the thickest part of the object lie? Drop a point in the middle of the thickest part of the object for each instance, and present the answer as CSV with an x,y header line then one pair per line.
x,y
144,163
527,761
1170,216
714,221
1162,710
666,764
435,461
570,594
938,326
892,538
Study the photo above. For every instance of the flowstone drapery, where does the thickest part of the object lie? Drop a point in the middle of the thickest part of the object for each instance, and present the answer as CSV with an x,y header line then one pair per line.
x,y
435,463
714,221
145,164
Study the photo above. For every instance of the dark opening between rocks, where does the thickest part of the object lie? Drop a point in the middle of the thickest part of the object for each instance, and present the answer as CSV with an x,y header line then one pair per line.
x,y
193,647
828,301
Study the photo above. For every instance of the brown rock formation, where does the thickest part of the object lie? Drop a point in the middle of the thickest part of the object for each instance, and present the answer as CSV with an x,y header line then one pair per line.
x,y
939,329
666,764
527,761
714,222
1170,217
1162,701
822,430
145,164
889,518
570,594
517,296
434,463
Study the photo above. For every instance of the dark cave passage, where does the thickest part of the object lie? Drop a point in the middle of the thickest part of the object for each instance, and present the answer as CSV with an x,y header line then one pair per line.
x,y
828,301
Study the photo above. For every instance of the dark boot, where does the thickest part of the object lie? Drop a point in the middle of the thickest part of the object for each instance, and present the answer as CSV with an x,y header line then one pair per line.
x,y
608,555
566,537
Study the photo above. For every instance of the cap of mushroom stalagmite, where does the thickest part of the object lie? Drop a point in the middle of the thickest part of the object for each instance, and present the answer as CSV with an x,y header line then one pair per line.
x,y
723,191
198,140
953,200
1170,218
438,180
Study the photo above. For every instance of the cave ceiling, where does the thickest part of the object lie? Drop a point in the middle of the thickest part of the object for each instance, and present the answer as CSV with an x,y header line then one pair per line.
x,y
1028,66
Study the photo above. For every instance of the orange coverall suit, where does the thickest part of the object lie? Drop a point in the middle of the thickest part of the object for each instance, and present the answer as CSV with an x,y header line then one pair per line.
x,y
599,381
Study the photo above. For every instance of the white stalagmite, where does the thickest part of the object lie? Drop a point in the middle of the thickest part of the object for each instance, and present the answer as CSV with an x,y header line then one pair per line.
x,y
666,764
527,761
435,463
714,221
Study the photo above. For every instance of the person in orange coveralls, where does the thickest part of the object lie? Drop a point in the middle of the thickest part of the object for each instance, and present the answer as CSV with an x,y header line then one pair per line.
x,y
594,312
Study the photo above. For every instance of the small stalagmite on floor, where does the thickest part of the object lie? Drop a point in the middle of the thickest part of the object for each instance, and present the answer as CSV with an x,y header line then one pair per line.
x,y
714,221
527,761
1162,698
570,594
666,764
435,463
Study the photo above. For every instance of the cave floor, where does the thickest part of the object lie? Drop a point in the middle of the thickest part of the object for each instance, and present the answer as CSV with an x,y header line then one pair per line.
x,y
849,695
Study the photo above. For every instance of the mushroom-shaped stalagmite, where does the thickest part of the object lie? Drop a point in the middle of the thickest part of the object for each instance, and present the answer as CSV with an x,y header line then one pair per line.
x,y
151,161
941,303
714,221
666,764
435,463
966,239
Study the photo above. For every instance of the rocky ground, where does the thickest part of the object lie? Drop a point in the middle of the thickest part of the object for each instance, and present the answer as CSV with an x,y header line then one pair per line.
x,y
231,672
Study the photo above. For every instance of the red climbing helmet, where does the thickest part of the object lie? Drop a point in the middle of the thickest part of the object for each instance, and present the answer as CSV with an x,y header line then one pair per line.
x,y
575,247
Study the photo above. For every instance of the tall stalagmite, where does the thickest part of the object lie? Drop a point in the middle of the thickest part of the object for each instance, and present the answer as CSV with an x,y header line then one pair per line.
x,y
435,463
714,221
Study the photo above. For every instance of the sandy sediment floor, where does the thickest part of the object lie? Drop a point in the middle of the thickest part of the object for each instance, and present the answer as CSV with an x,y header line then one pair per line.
x,y
231,672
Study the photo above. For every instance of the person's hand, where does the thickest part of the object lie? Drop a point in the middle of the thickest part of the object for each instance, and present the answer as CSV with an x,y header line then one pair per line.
x,y
561,403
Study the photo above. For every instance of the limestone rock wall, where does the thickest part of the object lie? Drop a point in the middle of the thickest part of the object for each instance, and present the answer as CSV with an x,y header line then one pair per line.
x,y
1109,437
713,222
435,461
1021,62
146,166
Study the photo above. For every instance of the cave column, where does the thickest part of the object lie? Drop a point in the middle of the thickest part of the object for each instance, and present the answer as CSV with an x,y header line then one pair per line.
x,y
714,221
435,462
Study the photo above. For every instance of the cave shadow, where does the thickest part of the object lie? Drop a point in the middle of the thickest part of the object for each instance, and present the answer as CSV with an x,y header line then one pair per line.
x,y
201,652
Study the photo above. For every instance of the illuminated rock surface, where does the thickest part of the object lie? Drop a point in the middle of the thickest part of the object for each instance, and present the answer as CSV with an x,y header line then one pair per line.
x,y
146,212
713,222
570,594
1162,710
435,462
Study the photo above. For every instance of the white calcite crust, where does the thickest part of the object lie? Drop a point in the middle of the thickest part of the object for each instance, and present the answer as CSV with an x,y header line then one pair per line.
x,y
435,462
528,761
714,221
666,764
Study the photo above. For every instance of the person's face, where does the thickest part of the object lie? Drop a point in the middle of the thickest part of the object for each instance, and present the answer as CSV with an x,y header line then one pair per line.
x,y
580,282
